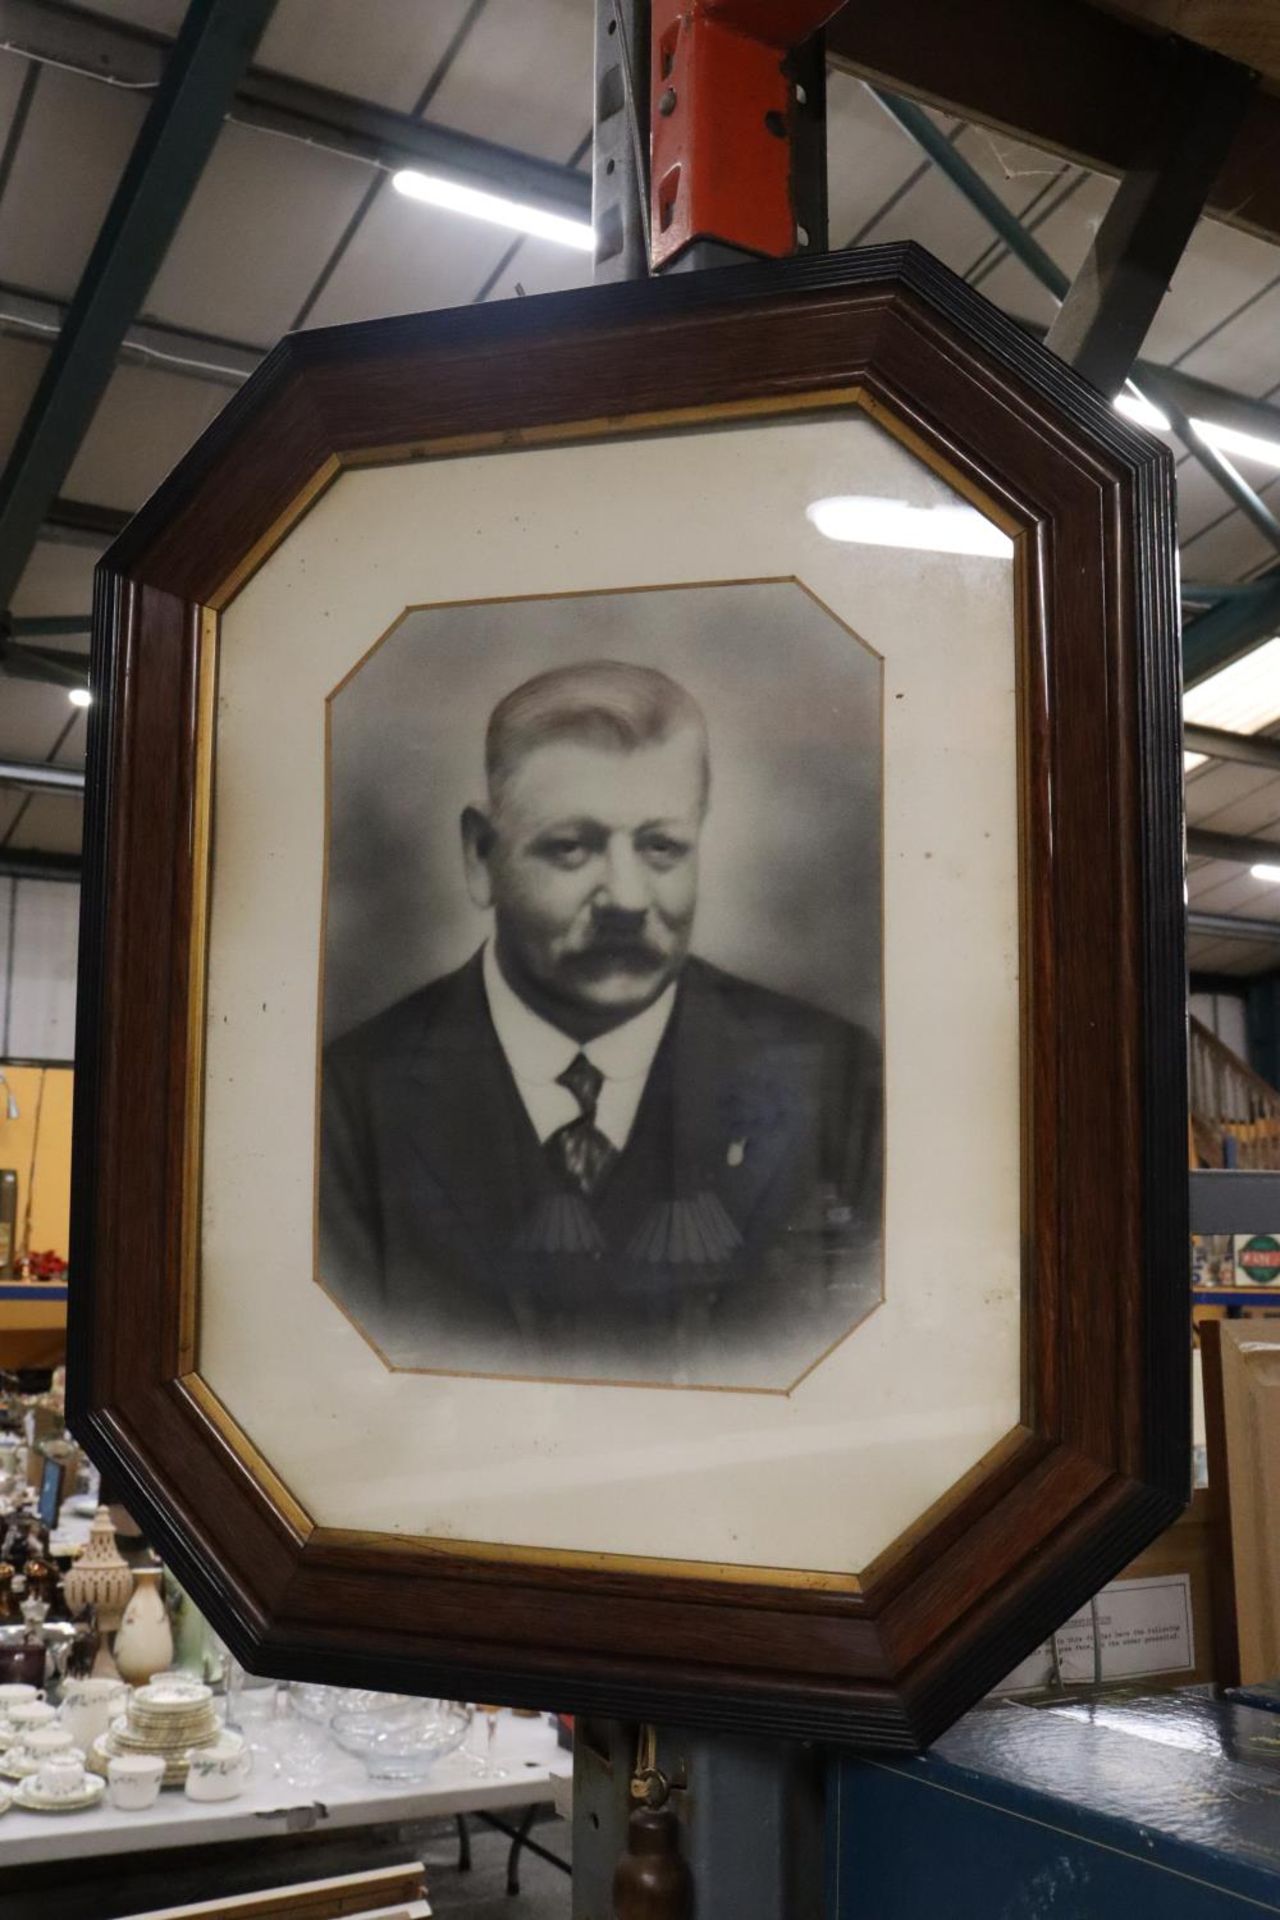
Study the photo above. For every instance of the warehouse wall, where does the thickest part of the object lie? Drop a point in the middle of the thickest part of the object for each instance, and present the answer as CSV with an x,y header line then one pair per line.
x,y
38,932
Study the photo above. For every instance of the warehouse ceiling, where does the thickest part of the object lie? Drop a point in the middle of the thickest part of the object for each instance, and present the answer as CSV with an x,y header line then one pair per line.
x,y
287,230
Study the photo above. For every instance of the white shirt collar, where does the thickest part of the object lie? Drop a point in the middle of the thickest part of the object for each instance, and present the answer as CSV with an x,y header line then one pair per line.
x,y
538,1052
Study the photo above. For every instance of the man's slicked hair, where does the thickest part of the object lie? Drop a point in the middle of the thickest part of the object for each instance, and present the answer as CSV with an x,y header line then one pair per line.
x,y
598,703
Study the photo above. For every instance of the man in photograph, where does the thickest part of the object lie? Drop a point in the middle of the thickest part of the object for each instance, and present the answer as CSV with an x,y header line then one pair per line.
x,y
587,1152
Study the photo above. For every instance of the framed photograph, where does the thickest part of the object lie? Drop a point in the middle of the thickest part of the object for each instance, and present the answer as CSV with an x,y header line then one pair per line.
x,y
631,1122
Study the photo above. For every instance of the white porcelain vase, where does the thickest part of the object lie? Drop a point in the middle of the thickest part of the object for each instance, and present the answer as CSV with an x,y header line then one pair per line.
x,y
144,1643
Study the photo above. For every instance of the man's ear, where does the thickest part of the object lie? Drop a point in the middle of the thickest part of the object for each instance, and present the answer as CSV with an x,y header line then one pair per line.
x,y
477,843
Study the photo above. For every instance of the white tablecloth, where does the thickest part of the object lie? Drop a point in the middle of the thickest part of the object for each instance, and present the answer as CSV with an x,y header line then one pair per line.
x,y
342,1796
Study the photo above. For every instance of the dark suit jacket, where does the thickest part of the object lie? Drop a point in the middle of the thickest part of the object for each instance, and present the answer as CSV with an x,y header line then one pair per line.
x,y
749,1192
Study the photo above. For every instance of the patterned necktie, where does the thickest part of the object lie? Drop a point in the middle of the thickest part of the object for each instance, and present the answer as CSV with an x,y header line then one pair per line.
x,y
579,1150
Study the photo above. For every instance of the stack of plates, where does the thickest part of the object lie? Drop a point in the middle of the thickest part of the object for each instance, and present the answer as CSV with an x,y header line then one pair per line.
x,y
165,1718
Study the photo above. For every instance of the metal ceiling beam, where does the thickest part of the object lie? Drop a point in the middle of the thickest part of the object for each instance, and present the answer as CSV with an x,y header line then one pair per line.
x,y
48,626
1248,749
916,123
1070,77
37,776
1231,926
970,184
37,316
337,122
83,522
1239,848
29,863
186,113
1230,630
48,665
1108,311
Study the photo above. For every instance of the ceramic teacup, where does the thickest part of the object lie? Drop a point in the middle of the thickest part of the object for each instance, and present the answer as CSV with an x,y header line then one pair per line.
x,y
89,1707
61,1776
43,1741
29,1714
16,1693
134,1780
218,1772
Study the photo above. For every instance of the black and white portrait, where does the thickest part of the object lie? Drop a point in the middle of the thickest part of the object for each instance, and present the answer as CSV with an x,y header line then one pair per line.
x,y
600,1069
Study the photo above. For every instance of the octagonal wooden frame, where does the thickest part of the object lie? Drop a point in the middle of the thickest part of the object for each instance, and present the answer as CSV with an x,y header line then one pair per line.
x,y
1098,1464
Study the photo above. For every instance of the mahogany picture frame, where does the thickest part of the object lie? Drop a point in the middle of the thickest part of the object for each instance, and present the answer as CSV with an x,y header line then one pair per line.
x,y
1098,1463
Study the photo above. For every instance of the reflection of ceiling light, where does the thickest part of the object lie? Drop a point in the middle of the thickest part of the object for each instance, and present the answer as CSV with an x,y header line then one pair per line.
x,y
1140,410
1264,872
516,215
1247,446
80,697
869,522
1190,761
1242,697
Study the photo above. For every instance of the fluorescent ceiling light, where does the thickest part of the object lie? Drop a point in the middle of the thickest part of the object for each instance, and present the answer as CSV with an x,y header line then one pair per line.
x,y
1143,414
1264,872
1247,446
516,215
869,522
1242,698
80,697
1190,761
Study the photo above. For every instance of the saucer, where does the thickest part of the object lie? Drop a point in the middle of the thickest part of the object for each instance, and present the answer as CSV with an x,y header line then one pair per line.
x,y
29,1797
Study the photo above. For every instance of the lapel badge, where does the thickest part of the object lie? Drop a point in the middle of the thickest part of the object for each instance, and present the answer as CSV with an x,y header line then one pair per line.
x,y
737,1153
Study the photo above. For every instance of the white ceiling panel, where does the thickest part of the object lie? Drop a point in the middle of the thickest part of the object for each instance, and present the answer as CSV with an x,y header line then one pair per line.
x,y
933,213
51,823
1219,784
539,267
21,364
1201,503
1220,270
868,157
1252,813
58,578
1222,887
1242,354
32,716
405,257
380,50
160,16
13,72
1232,548
78,136
524,76
1066,234
10,805
1208,954
146,422
264,218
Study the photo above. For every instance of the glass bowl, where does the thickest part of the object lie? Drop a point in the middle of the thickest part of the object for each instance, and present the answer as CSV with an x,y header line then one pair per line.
x,y
397,1736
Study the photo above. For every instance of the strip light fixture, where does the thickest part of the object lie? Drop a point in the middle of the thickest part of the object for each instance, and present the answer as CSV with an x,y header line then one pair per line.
x,y
1230,440
517,216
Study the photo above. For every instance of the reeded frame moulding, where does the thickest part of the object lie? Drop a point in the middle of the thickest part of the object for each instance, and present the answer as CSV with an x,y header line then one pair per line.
x,y
1098,1463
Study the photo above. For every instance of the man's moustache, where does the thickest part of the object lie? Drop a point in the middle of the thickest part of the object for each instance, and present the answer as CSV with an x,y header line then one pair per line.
x,y
616,950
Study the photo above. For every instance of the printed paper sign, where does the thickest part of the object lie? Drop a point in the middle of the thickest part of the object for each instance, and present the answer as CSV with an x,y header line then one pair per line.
x,y
1143,1626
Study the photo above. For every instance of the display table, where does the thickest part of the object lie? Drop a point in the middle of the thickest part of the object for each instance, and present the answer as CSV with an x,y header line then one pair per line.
x,y
343,1796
